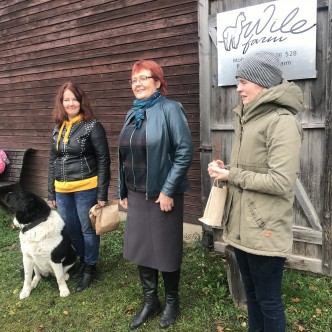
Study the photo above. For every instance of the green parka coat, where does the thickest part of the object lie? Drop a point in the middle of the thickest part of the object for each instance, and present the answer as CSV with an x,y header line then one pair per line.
x,y
264,165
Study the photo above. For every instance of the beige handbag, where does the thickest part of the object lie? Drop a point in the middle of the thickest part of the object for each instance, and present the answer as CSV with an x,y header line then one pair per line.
x,y
105,218
214,210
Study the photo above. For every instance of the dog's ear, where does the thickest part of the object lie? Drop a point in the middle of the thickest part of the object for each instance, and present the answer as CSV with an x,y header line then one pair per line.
x,y
24,207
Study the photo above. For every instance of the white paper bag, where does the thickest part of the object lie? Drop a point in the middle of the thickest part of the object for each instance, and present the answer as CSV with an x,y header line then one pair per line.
x,y
214,210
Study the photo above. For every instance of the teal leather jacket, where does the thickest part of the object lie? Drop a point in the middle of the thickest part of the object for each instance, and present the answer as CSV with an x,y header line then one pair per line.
x,y
169,150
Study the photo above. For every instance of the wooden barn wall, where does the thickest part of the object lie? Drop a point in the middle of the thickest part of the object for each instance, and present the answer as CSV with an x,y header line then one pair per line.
x,y
312,247
46,43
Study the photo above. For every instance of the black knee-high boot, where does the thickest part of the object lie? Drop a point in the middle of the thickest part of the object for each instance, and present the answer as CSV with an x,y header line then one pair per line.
x,y
149,281
172,305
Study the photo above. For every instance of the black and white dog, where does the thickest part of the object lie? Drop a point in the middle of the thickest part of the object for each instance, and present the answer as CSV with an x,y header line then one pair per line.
x,y
45,246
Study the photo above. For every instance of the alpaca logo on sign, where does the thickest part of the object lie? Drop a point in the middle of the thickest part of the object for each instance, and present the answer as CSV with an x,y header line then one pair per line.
x,y
232,34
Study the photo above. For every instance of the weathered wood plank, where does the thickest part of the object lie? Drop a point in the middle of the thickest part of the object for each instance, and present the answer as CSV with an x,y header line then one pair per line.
x,y
91,82
304,263
101,30
327,217
234,279
10,6
305,234
307,206
297,262
102,68
113,46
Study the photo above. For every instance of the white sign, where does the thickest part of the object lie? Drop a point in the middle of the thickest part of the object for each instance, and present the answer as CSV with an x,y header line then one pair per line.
x,y
287,28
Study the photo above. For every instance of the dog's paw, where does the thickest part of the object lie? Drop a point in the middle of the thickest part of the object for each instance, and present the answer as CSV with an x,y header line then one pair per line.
x,y
24,294
64,292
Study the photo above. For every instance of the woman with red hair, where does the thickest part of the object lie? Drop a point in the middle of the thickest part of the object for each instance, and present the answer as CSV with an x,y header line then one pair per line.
x,y
155,153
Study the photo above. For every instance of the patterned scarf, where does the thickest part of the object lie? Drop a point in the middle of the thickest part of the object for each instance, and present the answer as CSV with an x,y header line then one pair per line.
x,y
141,105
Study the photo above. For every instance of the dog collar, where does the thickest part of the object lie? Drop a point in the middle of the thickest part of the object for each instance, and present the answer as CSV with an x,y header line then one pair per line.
x,y
33,224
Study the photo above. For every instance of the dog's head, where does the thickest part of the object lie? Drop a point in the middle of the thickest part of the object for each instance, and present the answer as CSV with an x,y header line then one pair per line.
x,y
27,206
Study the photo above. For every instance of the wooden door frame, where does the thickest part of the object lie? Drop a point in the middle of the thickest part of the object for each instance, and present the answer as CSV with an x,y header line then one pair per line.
x,y
320,235
327,219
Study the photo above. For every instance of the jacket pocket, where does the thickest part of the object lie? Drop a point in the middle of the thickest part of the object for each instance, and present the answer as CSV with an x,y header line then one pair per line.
x,y
254,214
262,210
87,165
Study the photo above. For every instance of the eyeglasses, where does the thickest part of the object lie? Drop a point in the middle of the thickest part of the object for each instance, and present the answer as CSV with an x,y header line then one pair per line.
x,y
141,79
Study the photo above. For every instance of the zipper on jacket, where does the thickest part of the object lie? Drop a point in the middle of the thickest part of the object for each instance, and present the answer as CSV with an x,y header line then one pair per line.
x,y
132,158
242,122
87,164
63,161
147,159
63,169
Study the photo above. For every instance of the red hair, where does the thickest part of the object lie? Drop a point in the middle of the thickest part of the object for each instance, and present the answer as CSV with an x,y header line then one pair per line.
x,y
156,72
59,114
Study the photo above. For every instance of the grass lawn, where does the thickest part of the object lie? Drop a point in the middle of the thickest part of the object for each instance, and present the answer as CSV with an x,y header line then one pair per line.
x,y
116,295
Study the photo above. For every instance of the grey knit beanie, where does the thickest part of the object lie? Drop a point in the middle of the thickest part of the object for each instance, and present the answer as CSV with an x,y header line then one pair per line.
x,y
263,68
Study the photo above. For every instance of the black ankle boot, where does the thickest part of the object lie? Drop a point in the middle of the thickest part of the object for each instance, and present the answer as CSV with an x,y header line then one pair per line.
x,y
149,280
88,276
172,306
77,270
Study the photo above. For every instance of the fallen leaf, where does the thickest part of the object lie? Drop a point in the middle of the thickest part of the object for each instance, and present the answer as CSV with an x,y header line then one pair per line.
x,y
240,316
292,310
299,326
41,327
129,309
318,311
66,312
313,288
220,329
296,300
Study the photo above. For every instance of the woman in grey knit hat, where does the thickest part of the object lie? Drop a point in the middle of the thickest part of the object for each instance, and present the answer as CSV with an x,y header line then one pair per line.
x,y
264,165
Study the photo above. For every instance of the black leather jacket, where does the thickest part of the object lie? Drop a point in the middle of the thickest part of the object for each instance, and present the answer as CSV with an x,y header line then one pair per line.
x,y
84,156
169,150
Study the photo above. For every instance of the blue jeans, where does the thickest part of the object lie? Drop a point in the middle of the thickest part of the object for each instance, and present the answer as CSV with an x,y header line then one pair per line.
x,y
262,279
74,209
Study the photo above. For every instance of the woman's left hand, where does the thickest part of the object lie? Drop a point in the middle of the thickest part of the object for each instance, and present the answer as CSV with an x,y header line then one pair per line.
x,y
166,203
216,169
102,203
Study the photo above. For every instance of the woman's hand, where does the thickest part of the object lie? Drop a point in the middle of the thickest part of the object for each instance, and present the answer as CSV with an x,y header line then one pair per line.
x,y
166,203
52,204
102,203
124,203
217,170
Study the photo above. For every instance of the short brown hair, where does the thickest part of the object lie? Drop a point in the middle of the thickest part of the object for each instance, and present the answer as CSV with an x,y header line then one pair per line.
x,y
156,72
59,114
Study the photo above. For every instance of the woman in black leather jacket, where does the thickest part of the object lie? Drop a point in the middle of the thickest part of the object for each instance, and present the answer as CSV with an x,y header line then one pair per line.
x,y
155,153
79,173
